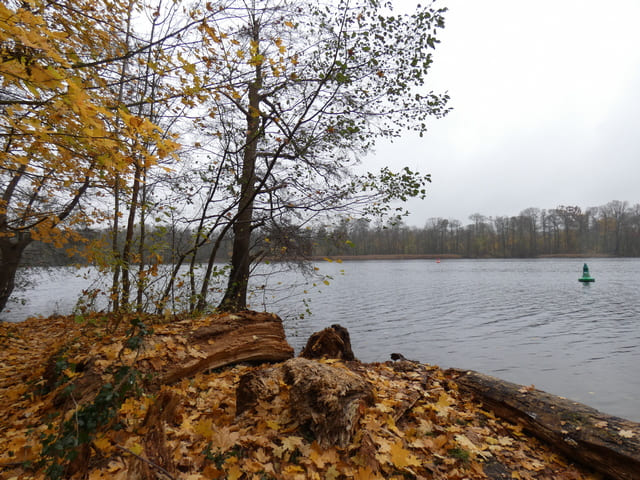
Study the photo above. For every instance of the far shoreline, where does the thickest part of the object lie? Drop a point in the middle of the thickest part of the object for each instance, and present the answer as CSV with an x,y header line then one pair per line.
x,y
445,256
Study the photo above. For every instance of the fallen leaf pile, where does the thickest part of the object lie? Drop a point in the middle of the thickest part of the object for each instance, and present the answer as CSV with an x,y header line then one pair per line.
x,y
419,425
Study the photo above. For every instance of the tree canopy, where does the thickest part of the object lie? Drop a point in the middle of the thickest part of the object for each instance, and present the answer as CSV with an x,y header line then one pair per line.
x,y
220,118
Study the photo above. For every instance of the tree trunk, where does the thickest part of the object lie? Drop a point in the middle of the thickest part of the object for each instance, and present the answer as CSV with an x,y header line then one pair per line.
x,y
325,399
608,444
10,256
235,297
128,242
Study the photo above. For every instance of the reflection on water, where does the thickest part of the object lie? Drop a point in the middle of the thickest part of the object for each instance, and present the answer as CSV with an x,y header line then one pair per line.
x,y
527,321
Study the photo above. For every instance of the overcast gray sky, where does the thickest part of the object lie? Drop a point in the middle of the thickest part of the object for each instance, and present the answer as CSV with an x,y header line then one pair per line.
x,y
546,98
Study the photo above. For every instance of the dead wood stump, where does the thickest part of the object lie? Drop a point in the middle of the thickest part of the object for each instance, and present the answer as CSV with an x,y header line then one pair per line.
x,y
608,444
326,399
239,337
332,342
158,454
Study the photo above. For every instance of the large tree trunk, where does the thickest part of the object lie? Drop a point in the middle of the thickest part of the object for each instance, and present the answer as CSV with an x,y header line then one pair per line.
x,y
235,297
608,444
10,257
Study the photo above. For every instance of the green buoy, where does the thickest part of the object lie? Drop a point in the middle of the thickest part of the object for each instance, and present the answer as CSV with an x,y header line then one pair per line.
x,y
586,278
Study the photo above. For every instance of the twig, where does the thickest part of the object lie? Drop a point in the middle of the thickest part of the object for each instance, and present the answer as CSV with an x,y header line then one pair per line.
x,y
149,462
406,407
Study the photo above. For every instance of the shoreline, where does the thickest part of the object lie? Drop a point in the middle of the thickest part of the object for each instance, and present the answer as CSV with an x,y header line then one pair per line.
x,y
424,422
444,256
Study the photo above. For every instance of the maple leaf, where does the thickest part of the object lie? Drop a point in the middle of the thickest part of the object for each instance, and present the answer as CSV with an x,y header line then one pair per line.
x,y
233,470
321,457
443,405
366,473
402,457
332,473
292,443
103,444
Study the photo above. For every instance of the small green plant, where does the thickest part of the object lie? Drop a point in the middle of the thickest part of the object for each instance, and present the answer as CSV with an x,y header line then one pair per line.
x,y
460,454
218,458
136,333
62,447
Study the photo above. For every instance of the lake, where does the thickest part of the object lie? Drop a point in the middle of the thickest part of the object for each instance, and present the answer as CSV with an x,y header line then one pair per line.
x,y
526,321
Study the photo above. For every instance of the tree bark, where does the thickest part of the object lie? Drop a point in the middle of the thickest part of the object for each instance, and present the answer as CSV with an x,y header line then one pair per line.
x,y
243,337
608,444
10,257
235,297
324,398
332,342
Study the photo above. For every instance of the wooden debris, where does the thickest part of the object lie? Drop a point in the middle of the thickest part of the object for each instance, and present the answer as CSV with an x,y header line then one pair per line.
x,y
232,338
332,342
608,444
158,456
324,398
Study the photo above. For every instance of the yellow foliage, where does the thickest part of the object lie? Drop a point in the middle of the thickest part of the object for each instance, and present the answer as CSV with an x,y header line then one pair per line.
x,y
63,128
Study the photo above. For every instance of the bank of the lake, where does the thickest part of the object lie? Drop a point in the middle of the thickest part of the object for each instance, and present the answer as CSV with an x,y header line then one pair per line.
x,y
56,371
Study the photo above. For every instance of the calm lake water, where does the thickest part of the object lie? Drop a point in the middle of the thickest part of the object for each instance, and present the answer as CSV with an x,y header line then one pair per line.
x,y
527,321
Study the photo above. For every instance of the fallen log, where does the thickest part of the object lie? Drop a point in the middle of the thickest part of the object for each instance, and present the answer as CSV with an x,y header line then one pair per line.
x,y
608,444
239,337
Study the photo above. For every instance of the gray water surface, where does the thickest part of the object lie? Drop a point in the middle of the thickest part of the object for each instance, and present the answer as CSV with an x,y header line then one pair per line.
x,y
527,321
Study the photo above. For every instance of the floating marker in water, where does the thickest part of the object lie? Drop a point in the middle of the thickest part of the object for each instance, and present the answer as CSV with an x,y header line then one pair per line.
x,y
586,278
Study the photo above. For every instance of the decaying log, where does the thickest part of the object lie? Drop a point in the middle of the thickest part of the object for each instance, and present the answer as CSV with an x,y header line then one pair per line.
x,y
332,342
324,398
608,444
239,337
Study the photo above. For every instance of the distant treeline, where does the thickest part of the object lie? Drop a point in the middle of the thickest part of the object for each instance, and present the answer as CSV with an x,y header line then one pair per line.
x,y
612,229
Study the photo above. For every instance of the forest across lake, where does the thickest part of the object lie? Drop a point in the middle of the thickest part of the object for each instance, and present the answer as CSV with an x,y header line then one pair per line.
x,y
609,230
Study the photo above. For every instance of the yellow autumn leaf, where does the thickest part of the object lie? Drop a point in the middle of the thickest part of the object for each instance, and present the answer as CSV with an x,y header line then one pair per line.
x,y
136,448
402,457
332,473
234,472
321,457
205,428
103,444
292,443
273,425
69,373
366,473
443,405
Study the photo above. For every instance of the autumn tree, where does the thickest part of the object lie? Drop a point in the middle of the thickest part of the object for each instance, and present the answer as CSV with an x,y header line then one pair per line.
x,y
308,89
63,131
